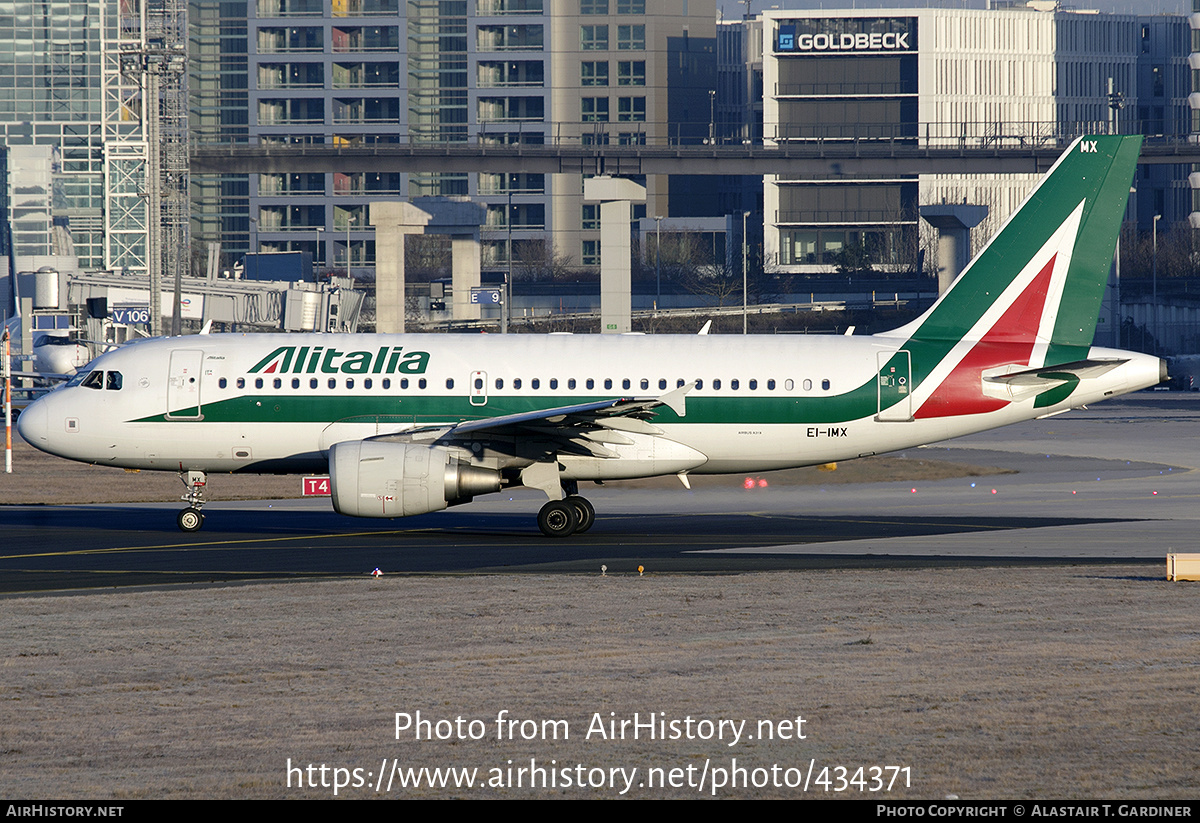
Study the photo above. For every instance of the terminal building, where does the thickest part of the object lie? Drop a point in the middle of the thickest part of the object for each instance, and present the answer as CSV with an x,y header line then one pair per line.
x,y
940,76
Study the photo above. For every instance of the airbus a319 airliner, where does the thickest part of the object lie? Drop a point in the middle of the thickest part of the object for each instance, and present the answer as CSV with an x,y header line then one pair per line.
x,y
407,424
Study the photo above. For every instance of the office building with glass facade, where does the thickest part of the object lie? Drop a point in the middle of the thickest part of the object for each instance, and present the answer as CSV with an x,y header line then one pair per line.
x,y
50,119
1014,76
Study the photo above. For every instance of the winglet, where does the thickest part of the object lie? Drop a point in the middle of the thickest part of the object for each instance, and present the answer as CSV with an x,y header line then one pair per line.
x,y
675,399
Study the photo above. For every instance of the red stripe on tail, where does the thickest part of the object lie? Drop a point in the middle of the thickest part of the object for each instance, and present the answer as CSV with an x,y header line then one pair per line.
x,y
1010,340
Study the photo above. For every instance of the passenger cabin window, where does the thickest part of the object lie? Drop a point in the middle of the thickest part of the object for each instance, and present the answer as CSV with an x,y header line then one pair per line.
x,y
241,382
222,383
258,383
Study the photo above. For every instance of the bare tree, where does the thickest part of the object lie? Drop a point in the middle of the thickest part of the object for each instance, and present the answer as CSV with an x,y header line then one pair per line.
x,y
1178,255
426,257
538,261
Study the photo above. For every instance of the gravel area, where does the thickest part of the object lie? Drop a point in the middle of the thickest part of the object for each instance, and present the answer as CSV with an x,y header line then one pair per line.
x,y
1070,682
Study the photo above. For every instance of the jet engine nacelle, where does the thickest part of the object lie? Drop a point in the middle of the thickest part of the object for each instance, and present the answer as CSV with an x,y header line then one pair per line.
x,y
371,478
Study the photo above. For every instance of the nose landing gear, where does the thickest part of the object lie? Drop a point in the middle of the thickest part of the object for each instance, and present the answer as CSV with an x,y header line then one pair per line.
x,y
191,518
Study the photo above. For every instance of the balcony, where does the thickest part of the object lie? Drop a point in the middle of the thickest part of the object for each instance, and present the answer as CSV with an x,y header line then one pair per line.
x,y
509,38
290,40
366,75
365,8
494,74
365,38
290,218
511,110
309,184
374,183
366,111
495,8
515,183
291,112
289,8
290,76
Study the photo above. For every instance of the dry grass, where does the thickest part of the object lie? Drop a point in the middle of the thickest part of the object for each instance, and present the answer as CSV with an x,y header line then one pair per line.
x,y
994,683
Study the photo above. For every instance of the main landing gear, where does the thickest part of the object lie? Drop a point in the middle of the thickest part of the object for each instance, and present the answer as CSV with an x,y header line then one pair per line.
x,y
571,515
191,518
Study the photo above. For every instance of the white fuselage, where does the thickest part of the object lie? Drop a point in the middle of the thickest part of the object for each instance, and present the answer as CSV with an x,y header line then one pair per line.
x,y
214,403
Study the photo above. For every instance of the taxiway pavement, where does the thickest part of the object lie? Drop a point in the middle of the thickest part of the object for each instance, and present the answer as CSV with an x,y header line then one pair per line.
x,y
1114,483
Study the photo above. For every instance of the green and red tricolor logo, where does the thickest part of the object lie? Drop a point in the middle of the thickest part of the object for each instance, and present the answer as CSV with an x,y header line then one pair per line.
x,y
328,360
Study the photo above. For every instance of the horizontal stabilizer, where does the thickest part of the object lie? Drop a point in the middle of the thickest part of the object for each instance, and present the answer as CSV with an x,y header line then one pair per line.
x,y
1006,384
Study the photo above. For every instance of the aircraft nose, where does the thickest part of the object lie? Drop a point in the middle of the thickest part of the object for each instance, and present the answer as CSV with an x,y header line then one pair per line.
x,y
33,425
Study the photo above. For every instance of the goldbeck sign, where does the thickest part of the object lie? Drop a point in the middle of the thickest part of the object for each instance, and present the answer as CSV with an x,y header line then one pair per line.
x,y
835,41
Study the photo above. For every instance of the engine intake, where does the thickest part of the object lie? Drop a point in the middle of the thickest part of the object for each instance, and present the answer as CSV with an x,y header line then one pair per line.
x,y
371,478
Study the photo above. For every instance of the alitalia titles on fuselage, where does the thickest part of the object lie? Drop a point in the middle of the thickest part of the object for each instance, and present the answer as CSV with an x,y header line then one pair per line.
x,y
322,360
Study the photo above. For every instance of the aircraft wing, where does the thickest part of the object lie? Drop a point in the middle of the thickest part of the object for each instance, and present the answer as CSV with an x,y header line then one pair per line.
x,y
40,375
579,429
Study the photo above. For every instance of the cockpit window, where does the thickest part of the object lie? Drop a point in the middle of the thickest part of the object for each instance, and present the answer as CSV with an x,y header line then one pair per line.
x,y
98,379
